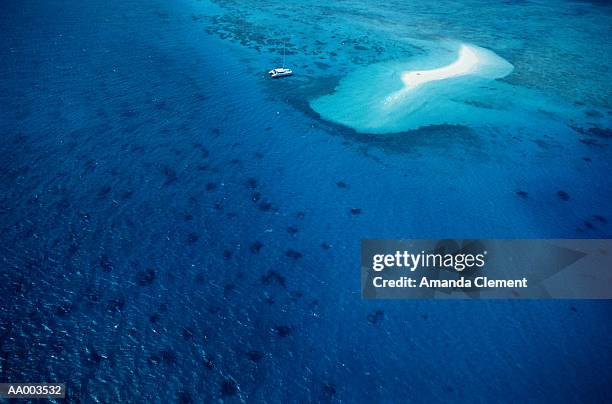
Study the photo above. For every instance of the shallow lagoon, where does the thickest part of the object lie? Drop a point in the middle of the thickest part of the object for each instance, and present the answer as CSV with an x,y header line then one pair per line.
x,y
199,224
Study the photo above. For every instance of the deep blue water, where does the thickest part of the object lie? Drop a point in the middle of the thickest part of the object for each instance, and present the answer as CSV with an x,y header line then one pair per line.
x,y
176,226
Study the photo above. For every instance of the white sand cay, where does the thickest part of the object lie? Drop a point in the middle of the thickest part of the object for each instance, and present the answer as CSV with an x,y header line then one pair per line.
x,y
467,61
471,60
452,84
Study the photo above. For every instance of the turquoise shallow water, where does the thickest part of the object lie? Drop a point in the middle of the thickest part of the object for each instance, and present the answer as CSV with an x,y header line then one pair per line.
x,y
169,213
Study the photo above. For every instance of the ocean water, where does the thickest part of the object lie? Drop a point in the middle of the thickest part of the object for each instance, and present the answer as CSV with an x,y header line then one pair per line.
x,y
177,227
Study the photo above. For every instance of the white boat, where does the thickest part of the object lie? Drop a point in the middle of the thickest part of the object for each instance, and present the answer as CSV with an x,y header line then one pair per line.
x,y
281,71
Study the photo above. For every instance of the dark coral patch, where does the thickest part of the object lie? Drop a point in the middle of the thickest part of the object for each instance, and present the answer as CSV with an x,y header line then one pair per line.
x,y
329,389
252,183
564,196
256,247
265,206
211,186
355,211
376,317
293,254
283,330
168,357
192,238
63,309
209,362
73,248
105,263
104,191
273,277
522,194
600,219
593,113
170,175
229,388
591,142
146,277
255,356
184,397
92,295
292,230
605,133
94,357
115,305
341,184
